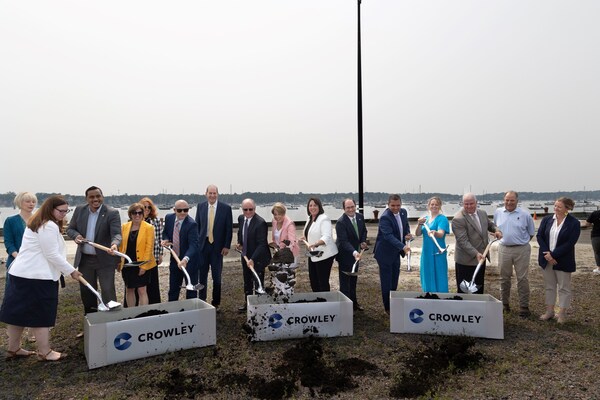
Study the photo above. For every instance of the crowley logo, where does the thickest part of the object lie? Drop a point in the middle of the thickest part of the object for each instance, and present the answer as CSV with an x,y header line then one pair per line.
x,y
122,341
415,316
275,321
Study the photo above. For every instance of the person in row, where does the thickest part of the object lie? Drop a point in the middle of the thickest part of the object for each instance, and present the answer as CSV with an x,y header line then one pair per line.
x,y
283,231
181,234
215,229
14,227
138,244
151,217
514,250
593,220
96,222
318,237
392,235
253,244
351,242
434,265
31,298
471,227
557,236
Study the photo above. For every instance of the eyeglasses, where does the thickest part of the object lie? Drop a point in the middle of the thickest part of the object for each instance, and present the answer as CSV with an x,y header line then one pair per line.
x,y
248,209
63,211
182,210
137,213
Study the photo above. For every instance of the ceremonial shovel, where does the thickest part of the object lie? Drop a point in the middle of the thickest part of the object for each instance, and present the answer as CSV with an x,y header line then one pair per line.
x,y
189,285
313,253
101,306
467,287
435,240
408,256
260,289
353,272
129,262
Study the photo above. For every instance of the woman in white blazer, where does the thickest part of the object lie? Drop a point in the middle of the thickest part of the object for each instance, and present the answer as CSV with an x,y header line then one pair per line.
x,y
318,234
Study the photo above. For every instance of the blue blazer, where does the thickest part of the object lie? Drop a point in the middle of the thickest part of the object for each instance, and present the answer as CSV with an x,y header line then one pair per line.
x,y
347,241
188,236
222,229
389,245
564,252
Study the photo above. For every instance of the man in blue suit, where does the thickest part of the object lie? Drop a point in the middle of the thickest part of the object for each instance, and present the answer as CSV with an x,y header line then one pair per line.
x,y
390,245
181,232
215,227
351,238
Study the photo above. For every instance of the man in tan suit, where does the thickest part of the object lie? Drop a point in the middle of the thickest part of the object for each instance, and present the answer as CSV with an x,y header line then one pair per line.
x,y
470,227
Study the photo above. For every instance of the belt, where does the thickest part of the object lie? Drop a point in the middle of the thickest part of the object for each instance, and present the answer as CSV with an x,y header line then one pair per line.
x,y
514,245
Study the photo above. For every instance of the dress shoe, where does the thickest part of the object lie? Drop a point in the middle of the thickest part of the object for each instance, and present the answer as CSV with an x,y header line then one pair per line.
x,y
242,308
79,335
524,312
358,307
547,316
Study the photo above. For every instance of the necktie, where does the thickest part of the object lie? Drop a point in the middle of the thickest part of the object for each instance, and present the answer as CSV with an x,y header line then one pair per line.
x,y
477,222
245,237
355,226
176,237
399,221
211,222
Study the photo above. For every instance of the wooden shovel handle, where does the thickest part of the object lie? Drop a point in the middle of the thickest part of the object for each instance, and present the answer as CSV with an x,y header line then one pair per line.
x,y
174,254
82,280
96,245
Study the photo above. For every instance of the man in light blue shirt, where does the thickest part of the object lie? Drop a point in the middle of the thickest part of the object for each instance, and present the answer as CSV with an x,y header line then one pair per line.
x,y
517,228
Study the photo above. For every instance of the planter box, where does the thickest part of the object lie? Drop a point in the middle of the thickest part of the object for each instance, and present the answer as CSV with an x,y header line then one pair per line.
x,y
301,317
116,336
478,315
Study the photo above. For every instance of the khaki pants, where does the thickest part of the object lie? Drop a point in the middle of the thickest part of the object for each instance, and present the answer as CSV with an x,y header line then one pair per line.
x,y
560,280
517,256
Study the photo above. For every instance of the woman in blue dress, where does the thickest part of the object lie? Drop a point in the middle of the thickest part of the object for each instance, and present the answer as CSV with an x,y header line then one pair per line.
x,y
434,266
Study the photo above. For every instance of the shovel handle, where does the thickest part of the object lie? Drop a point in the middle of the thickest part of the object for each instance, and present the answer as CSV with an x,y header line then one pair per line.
x,y
96,245
82,280
173,254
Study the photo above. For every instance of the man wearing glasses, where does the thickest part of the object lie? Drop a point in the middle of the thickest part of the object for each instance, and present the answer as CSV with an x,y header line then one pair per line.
x,y
181,233
96,222
253,244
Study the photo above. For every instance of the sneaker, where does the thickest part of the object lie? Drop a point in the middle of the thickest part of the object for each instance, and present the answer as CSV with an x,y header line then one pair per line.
x,y
596,271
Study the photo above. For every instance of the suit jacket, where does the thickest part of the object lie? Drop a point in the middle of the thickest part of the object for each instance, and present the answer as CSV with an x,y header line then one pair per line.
x,y
108,232
469,239
288,232
188,236
347,240
321,229
564,252
257,248
389,245
222,227
144,245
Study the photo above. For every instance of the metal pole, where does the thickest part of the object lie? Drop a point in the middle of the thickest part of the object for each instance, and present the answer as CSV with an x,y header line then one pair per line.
x,y
360,129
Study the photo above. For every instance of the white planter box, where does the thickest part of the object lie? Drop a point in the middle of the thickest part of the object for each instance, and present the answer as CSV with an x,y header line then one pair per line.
x,y
116,336
478,315
268,320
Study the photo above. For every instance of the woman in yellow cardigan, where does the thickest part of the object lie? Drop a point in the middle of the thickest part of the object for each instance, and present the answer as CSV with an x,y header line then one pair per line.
x,y
138,244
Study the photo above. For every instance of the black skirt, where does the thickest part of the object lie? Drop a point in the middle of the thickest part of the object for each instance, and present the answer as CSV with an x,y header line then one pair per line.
x,y
132,278
30,302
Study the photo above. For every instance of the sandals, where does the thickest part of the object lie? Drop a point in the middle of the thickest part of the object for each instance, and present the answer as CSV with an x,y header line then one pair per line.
x,y
547,316
42,357
19,353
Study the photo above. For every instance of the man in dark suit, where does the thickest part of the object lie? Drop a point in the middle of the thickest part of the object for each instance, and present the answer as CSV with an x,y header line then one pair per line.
x,y
252,242
390,245
181,233
100,224
351,237
215,227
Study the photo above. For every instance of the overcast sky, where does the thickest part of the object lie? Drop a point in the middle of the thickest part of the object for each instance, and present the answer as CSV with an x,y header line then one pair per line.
x,y
143,97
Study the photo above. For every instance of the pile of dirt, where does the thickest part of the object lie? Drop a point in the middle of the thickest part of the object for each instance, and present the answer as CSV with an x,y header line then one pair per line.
x,y
426,367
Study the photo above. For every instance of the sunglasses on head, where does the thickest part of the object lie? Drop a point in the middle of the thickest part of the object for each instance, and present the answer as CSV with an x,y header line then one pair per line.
x,y
182,210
